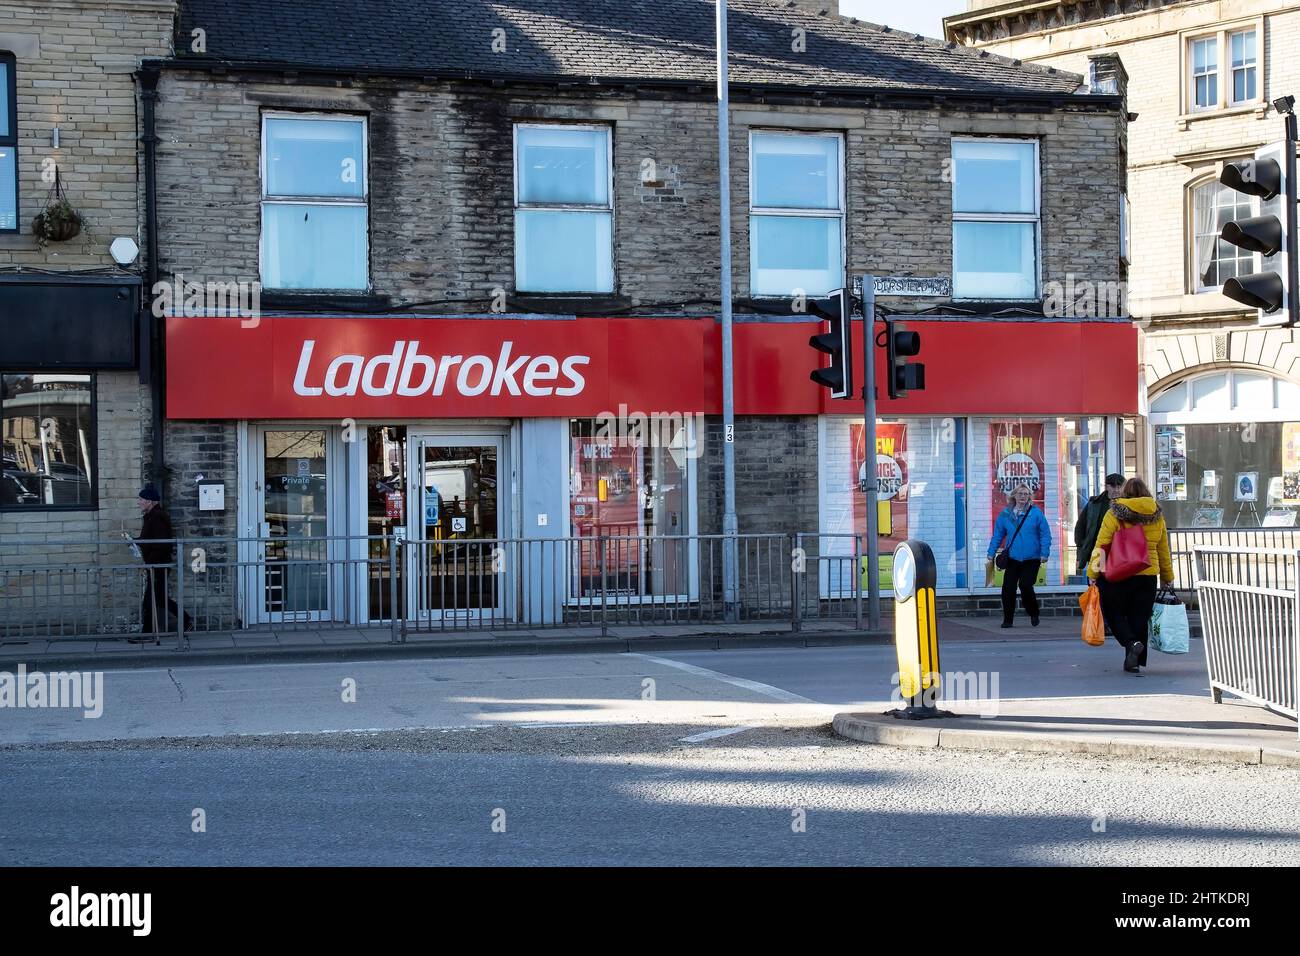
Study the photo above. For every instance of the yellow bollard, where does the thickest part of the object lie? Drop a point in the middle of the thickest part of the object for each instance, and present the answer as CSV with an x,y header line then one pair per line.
x,y
916,631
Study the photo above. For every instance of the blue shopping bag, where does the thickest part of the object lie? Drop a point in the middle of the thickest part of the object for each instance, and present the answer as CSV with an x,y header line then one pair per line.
x,y
1168,631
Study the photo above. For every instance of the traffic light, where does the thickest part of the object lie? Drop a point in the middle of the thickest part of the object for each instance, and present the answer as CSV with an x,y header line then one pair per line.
x,y
900,345
837,309
1270,179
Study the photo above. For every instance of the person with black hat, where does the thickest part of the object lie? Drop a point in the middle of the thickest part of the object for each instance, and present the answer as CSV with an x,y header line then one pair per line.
x,y
1087,528
158,558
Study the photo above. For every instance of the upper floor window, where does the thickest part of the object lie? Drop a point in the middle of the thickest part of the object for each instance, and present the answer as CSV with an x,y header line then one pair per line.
x,y
315,217
1205,72
796,214
564,209
1214,205
8,145
1222,69
995,212
1241,50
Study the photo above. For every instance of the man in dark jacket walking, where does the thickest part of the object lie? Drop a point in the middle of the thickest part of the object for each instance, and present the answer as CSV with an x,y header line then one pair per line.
x,y
159,559
1089,523
1086,528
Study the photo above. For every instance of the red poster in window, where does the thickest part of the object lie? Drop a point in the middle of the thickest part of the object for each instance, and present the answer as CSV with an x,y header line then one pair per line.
x,y
1016,459
394,506
891,482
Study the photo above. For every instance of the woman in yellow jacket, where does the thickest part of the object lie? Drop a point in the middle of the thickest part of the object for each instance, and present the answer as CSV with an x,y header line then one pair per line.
x,y
1128,604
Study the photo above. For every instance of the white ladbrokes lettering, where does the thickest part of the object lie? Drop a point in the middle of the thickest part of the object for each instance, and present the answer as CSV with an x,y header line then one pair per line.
x,y
407,372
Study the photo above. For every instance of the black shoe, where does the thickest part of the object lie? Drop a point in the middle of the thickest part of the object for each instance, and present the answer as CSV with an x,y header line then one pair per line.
x,y
1131,657
1033,619
1006,623
1139,650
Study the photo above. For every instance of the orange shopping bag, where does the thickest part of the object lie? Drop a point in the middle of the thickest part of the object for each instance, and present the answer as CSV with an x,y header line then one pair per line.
x,y
1094,629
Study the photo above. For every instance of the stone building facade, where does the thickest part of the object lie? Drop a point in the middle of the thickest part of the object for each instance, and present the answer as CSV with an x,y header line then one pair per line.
x,y
1200,78
76,426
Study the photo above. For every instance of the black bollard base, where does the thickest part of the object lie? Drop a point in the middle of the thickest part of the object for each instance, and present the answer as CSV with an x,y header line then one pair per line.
x,y
919,713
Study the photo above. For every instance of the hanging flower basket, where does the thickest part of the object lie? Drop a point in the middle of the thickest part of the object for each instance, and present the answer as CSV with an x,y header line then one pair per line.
x,y
59,221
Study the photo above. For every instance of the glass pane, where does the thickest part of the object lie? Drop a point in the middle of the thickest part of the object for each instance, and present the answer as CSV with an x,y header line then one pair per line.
x,y
1205,54
386,493
296,512
563,251
558,165
628,489
1171,400
1226,475
313,246
796,172
458,506
1243,47
8,188
1250,390
1288,394
1210,393
1082,476
47,439
1243,85
994,260
315,157
994,177
6,84
787,253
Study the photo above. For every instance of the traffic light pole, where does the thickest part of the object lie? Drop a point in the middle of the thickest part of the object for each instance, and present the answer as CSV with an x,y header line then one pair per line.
x,y
869,452
1292,266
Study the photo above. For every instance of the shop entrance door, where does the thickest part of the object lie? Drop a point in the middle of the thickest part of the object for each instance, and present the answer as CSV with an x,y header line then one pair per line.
x,y
456,566
292,561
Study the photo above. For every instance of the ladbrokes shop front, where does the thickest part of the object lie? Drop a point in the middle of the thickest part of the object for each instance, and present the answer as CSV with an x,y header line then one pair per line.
x,y
536,436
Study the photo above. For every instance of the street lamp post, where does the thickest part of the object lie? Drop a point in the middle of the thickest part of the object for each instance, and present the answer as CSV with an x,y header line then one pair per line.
x,y
730,527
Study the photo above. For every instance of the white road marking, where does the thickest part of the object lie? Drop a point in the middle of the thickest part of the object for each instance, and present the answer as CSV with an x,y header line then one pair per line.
x,y
767,690
718,732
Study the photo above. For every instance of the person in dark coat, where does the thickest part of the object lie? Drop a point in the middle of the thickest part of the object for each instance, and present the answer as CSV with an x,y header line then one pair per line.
x,y
1089,523
159,555
1085,533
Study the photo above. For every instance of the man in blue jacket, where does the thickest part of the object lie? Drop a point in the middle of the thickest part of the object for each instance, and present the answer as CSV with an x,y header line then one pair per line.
x,y
1022,531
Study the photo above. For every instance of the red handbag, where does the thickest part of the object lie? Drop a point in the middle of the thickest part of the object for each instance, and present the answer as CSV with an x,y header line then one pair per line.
x,y
1127,553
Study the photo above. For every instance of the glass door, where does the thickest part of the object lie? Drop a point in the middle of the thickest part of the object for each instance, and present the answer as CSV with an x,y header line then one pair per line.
x,y
456,523
294,565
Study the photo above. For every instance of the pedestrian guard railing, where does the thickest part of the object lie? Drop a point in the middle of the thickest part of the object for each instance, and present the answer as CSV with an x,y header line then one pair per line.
x,y
1256,547
398,587
1250,620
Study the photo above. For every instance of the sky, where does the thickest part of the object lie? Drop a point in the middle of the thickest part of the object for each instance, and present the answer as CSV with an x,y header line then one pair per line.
x,y
919,16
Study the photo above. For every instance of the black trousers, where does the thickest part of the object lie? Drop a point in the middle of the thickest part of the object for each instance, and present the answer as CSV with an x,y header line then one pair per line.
x,y
1022,574
1127,606
152,618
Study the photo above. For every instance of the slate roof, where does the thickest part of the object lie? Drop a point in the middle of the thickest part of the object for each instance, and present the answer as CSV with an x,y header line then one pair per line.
x,y
610,40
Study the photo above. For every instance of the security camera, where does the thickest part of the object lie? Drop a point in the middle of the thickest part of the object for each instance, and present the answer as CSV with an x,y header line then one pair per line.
x,y
1284,104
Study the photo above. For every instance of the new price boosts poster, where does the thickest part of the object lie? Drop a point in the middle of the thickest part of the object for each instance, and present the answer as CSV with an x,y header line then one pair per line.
x,y
891,492
1016,459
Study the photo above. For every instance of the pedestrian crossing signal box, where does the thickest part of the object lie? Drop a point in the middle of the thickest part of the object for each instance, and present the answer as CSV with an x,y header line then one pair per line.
x,y
916,631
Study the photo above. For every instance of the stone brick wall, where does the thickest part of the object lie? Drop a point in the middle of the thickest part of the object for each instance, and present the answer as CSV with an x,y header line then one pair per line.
x,y
75,60
441,184
75,66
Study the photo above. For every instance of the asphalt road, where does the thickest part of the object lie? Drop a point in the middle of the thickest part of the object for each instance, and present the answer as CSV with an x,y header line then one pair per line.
x,y
723,758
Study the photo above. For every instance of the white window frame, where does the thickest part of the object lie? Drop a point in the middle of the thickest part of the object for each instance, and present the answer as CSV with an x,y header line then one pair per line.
x,y
593,208
802,213
280,200
1211,71
1230,72
1222,33
1193,254
1235,414
1036,217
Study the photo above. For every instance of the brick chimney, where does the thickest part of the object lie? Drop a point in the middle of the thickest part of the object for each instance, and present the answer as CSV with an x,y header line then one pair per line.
x,y
1106,74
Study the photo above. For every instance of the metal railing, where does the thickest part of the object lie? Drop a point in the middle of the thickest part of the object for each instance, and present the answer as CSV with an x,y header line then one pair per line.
x,y
1184,541
1250,620
52,589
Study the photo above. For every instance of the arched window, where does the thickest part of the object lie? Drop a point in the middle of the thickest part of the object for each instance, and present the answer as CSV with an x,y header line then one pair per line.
x,y
1225,450
1214,260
